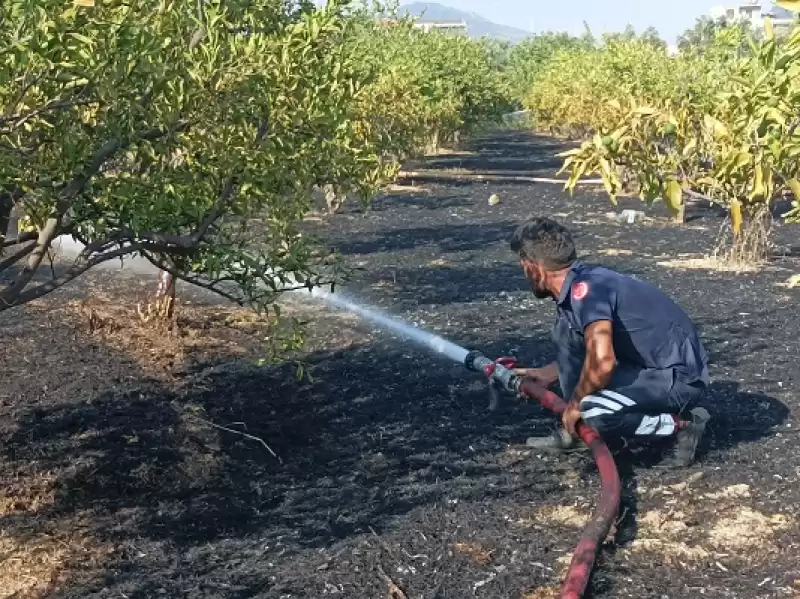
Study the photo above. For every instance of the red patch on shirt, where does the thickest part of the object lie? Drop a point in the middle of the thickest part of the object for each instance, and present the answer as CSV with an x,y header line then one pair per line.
x,y
580,290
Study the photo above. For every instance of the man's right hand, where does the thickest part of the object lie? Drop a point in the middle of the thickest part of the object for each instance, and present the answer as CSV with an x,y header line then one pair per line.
x,y
545,376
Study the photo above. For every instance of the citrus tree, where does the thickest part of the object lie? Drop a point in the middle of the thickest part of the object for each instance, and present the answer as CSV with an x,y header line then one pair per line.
x,y
421,90
738,147
194,133
570,94
163,129
527,58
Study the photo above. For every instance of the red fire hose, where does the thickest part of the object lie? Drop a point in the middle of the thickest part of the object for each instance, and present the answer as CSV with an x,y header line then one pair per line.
x,y
607,508
580,569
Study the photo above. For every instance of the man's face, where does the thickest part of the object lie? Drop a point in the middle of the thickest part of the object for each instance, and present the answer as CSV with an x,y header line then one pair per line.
x,y
536,274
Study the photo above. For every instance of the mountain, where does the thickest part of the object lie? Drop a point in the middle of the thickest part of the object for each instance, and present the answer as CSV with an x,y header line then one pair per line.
x,y
477,26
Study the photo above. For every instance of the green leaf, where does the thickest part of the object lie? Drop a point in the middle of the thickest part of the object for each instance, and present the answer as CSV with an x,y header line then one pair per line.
x,y
673,196
794,185
718,130
769,30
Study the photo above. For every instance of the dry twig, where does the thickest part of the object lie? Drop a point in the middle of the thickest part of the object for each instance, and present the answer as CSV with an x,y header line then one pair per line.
x,y
235,432
394,591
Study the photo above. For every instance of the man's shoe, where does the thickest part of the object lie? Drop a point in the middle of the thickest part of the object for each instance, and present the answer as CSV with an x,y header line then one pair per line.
x,y
558,440
687,440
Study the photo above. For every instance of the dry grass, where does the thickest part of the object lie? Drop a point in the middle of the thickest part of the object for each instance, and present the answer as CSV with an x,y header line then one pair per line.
x,y
746,529
35,555
710,263
747,251
713,525
563,515
158,347
410,188
615,252
791,282
543,593
449,152
474,552
31,566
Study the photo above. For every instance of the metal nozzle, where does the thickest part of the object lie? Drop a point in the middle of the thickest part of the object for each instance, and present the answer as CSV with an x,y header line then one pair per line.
x,y
476,361
496,371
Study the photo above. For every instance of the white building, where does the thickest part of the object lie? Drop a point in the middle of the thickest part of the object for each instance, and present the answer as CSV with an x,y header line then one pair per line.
x,y
458,27
753,12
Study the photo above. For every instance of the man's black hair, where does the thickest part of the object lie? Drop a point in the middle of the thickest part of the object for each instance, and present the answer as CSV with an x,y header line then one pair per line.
x,y
544,240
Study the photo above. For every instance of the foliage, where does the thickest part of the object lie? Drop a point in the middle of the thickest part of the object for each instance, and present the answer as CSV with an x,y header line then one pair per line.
x,y
571,94
740,149
193,133
424,89
649,36
714,35
527,58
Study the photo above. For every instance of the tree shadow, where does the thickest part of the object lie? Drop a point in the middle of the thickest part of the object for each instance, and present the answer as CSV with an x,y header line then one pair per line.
x,y
378,433
447,238
503,151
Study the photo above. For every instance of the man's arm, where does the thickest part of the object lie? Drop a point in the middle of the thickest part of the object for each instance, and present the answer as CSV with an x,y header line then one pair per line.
x,y
598,367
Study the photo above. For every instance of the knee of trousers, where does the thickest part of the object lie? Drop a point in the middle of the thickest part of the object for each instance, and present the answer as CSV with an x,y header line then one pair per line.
x,y
598,418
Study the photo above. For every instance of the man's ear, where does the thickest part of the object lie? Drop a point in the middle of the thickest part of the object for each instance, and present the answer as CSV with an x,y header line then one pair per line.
x,y
526,265
529,268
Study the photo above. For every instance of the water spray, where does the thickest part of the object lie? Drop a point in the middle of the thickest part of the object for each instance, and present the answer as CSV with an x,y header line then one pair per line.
x,y
422,337
503,379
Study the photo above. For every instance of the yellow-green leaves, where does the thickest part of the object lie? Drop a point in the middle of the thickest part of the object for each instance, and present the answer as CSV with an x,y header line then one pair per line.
x,y
736,216
794,185
724,127
673,196
769,30
715,126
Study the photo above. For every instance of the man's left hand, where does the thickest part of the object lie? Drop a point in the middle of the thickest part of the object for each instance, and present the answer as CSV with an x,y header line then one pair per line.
x,y
570,417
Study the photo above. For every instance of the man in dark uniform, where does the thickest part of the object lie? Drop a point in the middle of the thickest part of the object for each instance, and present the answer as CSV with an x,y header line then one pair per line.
x,y
629,361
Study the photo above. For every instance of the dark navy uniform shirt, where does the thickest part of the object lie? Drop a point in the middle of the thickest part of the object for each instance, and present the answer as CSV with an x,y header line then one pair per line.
x,y
649,329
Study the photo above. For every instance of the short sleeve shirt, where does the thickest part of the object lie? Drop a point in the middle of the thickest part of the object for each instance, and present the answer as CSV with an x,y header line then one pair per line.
x,y
649,329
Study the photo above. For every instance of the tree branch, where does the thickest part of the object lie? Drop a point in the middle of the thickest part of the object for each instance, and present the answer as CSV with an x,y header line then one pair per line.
x,y
82,264
793,127
23,237
46,236
7,201
16,257
162,265
21,119
53,227
227,193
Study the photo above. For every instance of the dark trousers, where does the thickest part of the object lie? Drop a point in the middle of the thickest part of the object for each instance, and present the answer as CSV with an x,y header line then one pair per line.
x,y
637,402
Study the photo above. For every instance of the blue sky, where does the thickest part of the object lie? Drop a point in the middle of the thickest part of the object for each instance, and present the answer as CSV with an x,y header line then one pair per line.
x,y
671,18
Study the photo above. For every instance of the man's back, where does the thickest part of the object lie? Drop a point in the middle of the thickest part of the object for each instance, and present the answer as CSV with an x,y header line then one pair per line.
x,y
650,329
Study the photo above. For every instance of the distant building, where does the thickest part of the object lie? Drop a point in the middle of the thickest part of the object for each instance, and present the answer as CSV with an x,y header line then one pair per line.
x,y
752,12
457,27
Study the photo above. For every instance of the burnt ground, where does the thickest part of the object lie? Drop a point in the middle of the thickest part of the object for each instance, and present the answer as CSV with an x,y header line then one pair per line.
x,y
116,482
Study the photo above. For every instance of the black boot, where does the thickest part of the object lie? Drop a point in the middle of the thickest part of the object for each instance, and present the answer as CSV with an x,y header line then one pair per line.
x,y
687,439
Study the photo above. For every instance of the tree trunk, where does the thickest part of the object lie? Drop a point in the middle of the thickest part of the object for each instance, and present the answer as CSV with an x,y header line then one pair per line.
x,y
680,217
6,208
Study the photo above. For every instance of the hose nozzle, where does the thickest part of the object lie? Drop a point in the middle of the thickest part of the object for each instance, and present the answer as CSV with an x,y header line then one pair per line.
x,y
498,371
476,361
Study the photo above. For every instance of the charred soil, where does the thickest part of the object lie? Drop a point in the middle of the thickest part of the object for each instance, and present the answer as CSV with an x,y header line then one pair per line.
x,y
392,478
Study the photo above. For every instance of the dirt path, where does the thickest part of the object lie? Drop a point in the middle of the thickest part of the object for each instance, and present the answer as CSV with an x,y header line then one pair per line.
x,y
114,484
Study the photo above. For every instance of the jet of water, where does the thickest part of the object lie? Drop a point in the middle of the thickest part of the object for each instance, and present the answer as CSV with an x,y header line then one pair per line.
x,y
420,336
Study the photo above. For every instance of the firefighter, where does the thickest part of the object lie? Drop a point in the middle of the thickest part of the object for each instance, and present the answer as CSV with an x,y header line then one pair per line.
x,y
629,361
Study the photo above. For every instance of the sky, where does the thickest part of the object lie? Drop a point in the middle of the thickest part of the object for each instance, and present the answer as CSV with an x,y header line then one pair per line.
x,y
671,18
